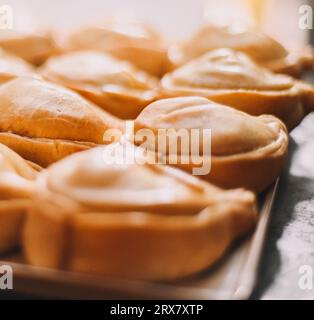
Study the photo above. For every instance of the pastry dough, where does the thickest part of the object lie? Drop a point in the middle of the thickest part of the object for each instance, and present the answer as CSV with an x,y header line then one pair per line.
x,y
12,67
44,122
97,212
261,48
116,86
129,40
16,187
232,78
246,151
32,46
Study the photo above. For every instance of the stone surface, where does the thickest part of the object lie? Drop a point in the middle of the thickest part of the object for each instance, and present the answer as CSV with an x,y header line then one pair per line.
x,y
289,248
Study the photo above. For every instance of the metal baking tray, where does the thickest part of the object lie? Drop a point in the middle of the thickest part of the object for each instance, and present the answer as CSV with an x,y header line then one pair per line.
x,y
233,277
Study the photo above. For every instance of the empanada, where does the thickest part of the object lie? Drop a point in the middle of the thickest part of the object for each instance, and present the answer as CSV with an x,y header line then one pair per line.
x,y
98,212
129,40
12,66
32,46
245,151
44,122
261,48
116,86
16,187
232,78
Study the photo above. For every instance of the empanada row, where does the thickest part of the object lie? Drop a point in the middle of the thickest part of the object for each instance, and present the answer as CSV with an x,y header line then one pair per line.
x,y
224,76
144,47
102,211
80,192
225,66
44,123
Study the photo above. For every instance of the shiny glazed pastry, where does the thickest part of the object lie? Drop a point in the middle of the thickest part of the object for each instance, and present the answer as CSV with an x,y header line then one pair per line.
x,y
261,48
16,187
96,212
44,122
117,86
246,151
129,40
12,67
33,46
232,78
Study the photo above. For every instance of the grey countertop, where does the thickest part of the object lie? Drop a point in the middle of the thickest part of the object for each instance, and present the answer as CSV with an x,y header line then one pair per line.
x,y
288,256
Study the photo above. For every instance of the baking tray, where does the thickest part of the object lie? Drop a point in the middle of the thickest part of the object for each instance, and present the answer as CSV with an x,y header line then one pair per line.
x,y
233,277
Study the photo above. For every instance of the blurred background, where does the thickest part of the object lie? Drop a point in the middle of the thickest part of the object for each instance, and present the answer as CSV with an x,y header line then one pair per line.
x,y
175,18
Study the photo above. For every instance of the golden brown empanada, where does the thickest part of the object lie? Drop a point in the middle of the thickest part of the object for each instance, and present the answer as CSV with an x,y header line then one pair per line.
x,y
129,40
98,212
232,78
16,187
44,122
261,48
116,86
32,46
12,66
246,151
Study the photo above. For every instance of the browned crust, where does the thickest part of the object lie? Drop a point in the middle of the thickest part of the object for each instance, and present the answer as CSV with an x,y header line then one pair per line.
x,y
42,151
120,104
134,245
287,105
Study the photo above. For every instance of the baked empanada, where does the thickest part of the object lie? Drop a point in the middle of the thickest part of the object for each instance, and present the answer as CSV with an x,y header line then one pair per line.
x,y
232,78
98,212
16,187
261,48
116,86
12,67
32,46
44,122
129,40
245,151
